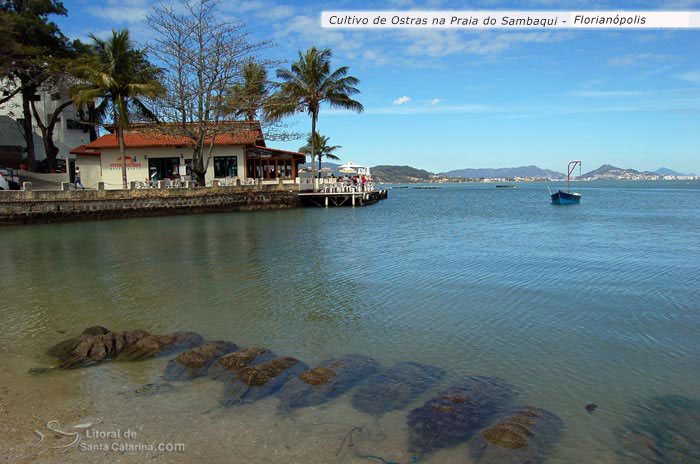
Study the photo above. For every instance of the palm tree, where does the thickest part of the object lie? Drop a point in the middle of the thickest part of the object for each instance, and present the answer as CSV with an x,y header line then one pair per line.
x,y
247,98
307,84
119,75
320,142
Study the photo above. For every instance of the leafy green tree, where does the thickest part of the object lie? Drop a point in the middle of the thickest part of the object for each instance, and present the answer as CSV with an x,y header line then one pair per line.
x,y
119,76
320,142
307,85
31,44
246,99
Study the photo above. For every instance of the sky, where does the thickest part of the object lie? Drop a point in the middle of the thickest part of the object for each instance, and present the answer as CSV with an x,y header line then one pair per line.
x,y
451,99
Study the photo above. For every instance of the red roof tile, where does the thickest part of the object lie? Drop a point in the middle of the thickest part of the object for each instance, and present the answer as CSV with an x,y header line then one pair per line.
x,y
145,139
84,150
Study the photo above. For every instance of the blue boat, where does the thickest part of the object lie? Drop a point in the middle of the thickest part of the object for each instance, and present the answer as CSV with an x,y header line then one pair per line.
x,y
568,198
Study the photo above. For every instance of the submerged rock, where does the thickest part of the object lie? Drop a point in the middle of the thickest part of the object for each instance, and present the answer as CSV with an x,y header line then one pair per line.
x,y
91,349
524,435
328,380
253,383
226,367
158,345
455,414
663,430
196,362
395,388
63,350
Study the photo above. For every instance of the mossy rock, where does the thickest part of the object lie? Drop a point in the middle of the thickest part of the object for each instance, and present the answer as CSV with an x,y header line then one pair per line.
x,y
395,388
160,345
226,367
196,362
454,415
326,381
253,383
91,349
508,441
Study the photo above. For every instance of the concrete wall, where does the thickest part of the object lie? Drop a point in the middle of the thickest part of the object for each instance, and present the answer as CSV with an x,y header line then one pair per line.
x,y
90,170
137,162
26,207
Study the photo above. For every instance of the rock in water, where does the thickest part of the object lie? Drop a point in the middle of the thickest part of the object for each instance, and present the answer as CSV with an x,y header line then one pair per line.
x,y
328,380
63,350
92,349
158,345
395,388
226,367
663,430
196,362
524,435
455,414
253,383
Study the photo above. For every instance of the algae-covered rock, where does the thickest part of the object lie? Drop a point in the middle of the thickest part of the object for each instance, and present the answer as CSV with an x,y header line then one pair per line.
x,y
326,381
226,367
63,349
395,388
253,383
91,349
662,430
455,414
159,345
524,435
196,362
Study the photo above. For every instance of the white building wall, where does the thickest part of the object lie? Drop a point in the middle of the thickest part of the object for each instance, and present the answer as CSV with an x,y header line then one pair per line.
x,y
90,170
65,139
137,163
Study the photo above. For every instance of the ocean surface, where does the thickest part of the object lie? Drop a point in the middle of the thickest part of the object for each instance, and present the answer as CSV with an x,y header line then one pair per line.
x,y
572,305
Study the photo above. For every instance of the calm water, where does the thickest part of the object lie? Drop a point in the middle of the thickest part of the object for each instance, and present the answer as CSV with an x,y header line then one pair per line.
x,y
595,303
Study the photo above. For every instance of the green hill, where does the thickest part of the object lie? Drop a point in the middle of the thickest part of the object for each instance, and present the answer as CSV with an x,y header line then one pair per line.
x,y
388,174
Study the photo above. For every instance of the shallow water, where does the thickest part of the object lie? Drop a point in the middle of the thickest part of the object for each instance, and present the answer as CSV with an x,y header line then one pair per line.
x,y
593,303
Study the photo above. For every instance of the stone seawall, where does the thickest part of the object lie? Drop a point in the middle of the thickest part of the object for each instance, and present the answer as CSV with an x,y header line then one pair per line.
x,y
34,206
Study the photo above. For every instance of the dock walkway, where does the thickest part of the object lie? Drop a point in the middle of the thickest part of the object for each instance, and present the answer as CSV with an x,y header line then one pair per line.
x,y
337,199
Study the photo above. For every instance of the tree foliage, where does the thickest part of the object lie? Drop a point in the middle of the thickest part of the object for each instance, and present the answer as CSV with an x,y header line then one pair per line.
x,y
320,143
120,77
204,55
307,85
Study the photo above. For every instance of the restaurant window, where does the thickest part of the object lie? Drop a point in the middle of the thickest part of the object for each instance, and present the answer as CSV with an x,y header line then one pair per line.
x,y
225,166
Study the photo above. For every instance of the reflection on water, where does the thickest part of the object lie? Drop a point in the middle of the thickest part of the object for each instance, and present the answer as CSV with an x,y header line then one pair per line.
x,y
572,305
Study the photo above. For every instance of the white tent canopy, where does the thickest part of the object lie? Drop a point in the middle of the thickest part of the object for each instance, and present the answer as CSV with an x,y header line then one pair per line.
x,y
351,167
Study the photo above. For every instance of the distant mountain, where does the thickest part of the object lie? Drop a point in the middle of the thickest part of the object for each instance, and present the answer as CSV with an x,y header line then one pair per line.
x,y
386,174
609,172
522,171
324,164
670,172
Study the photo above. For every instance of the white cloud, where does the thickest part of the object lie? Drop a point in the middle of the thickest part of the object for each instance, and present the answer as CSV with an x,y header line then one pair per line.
x,y
606,93
690,76
402,100
435,101
121,14
638,58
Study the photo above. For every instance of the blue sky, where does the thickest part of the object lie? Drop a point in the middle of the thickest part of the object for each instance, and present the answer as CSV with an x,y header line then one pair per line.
x,y
448,99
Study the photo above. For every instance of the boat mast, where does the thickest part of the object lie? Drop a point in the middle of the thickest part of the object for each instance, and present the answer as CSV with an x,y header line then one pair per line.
x,y
570,169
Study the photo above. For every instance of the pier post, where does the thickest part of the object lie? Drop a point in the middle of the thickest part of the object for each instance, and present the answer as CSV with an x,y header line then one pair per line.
x,y
326,201
353,199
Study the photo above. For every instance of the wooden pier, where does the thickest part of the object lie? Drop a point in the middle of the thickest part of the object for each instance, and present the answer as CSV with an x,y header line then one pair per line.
x,y
331,199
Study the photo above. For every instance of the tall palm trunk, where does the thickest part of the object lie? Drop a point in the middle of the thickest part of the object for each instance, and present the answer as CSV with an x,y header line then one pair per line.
x,y
314,115
122,153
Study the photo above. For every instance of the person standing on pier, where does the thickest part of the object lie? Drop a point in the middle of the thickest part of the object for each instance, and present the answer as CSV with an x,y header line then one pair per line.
x,y
77,179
